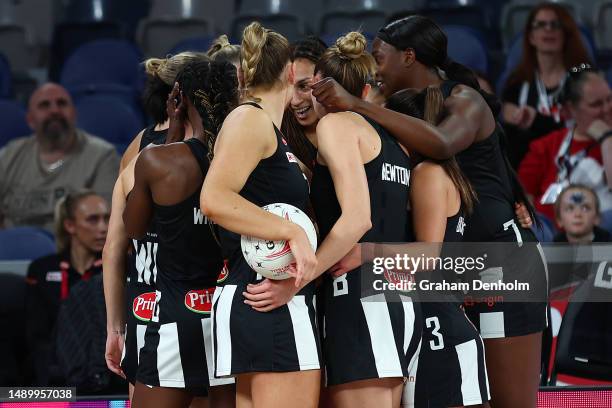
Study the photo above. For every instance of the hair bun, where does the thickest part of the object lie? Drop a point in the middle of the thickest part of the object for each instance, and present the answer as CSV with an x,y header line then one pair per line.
x,y
154,65
351,45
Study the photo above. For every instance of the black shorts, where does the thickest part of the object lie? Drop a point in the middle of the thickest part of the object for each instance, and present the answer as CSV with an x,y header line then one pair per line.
x,y
140,299
367,337
177,351
282,340
450,369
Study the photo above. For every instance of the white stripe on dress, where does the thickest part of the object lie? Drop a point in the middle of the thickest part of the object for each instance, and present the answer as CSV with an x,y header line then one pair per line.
x,y
467,353
208,348
303,332
492,325
378,320
408,321
141,329
223,352
169,366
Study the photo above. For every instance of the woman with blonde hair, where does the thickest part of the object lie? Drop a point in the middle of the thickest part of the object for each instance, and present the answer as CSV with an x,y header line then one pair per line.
x,y
81,222
274,356
129,307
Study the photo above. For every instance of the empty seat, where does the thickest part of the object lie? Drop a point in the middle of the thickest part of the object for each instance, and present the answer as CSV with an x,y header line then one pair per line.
x,y
103,61
6,78
109,118
307,11
199,44
366,21
465,47
157,36
13,119
67,37
25,243
220,12
603,25
16,45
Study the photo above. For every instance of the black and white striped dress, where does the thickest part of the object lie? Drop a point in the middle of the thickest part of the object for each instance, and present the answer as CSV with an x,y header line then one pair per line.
x,y
368,334
284,339
177,351
140,287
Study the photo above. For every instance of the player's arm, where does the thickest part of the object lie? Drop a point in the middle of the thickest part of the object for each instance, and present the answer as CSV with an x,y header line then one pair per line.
x,y
139,205
246,138
453,135
113,269
338,145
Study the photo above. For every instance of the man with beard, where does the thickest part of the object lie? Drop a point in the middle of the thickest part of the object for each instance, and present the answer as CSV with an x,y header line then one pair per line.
x,y
36,171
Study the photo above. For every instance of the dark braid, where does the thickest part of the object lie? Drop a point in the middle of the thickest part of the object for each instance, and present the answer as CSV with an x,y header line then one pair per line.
x,y
212,88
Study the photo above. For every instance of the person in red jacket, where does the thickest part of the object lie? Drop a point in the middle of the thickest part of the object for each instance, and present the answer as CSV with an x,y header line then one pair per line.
x,y
580,154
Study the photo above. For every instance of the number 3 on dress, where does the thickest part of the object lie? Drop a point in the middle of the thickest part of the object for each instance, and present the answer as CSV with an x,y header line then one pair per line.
x,y
340,285
512,224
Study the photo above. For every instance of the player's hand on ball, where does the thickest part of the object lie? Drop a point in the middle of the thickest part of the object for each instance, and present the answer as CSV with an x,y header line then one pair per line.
x,y
270,294
351,261
114,348
305,258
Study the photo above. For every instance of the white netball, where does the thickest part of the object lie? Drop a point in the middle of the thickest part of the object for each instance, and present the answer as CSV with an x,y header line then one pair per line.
x,y
273,259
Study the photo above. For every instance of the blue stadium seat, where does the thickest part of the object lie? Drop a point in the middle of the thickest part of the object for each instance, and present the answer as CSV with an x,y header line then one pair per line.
x,y
127,95
13,119
6,78
25,243
109,118
104,61
67,37
465,47
199,44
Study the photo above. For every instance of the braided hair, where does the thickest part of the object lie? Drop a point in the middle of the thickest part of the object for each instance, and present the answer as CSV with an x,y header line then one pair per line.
x,y
212,88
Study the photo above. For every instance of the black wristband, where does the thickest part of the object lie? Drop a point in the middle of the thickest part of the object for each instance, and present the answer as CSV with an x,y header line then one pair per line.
x,y
605,136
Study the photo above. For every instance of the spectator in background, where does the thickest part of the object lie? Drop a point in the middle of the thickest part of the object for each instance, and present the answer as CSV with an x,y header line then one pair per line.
x,y
531,109
36,171
577,213
577,154
81,223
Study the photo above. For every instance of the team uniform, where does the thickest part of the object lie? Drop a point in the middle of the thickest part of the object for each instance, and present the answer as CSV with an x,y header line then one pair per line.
x,y
177,352
281,340
450,369
368,335
140,288
494,220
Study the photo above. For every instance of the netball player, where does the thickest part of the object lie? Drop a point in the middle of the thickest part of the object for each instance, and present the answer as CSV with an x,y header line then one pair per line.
x,y
411,53
177,354
274,356
451,365
300,120
368,341
121,337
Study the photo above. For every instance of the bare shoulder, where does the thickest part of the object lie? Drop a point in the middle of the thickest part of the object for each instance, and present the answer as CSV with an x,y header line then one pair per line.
x,y
463,96
340,124
160,159
428,170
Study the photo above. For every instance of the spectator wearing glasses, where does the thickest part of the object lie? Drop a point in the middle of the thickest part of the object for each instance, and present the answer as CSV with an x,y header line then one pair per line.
x,y
531,107
581,153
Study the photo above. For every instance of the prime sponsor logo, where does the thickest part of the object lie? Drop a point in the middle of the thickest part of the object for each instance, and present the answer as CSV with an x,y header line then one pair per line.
x,y
142,306
199,301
